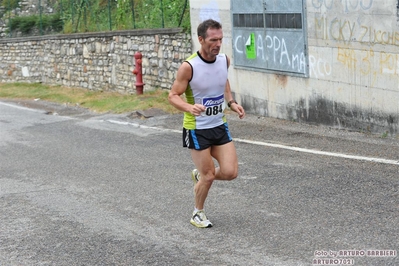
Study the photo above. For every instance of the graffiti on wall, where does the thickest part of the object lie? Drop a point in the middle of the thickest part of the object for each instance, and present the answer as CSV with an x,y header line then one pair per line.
x,y
347,31
273,50
347,5
368,62
319,67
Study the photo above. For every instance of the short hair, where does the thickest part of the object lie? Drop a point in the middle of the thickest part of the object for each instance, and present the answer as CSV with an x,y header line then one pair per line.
x,y
207,24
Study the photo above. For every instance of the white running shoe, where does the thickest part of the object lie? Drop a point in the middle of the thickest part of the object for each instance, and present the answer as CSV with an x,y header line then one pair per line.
x,y
195,175
199,220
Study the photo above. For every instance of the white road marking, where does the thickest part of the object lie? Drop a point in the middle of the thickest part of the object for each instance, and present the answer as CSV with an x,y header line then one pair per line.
x,y
279,146
260,143
22,107
333,154
143,126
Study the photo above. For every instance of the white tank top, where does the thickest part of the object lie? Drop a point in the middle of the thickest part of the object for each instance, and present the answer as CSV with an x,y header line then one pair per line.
x,y
207,86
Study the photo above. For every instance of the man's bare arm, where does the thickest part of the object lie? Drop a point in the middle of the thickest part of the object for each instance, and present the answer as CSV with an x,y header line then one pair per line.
x,y
179,86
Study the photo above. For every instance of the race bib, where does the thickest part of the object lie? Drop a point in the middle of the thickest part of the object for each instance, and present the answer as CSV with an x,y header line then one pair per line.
x,y
213,105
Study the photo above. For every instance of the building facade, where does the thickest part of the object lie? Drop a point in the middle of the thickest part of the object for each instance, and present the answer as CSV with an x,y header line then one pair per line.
x,y
331,62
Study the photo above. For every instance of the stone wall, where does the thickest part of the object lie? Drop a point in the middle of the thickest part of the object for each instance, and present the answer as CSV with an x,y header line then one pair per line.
x,y
96,61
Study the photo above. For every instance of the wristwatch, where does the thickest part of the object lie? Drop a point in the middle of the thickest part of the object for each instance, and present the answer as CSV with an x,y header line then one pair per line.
x,y
231,102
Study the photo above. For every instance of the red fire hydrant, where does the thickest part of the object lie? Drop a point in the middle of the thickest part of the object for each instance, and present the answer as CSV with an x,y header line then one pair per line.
x,y
138,71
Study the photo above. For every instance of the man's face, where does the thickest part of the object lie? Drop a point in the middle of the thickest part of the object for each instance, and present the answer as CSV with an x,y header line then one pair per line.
x,y
212,43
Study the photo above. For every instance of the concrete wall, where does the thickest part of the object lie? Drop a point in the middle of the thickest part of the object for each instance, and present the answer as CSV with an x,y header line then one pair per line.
x,y
96,61
353,65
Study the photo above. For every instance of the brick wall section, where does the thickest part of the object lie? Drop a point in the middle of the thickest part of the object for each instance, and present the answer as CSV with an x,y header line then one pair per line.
x,y
96,61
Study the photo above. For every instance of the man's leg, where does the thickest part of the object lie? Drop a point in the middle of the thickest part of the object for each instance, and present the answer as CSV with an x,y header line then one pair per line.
x,y
226,156
228,168
205,166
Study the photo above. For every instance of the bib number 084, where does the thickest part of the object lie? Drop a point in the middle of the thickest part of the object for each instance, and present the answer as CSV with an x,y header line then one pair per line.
x,y
214,110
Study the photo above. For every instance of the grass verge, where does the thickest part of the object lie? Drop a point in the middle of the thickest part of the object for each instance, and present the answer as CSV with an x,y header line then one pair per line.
x,y
94,100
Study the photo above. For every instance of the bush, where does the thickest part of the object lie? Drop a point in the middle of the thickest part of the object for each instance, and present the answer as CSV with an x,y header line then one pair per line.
x,y
28,24
10,4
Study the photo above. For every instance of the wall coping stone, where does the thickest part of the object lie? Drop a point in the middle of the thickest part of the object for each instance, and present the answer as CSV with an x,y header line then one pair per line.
x,y
138,32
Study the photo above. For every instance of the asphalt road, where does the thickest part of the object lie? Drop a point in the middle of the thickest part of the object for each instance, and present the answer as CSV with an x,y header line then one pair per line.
x,y
78,188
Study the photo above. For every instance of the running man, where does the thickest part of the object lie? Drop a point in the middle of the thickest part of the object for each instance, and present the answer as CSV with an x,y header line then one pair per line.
x,y
203,78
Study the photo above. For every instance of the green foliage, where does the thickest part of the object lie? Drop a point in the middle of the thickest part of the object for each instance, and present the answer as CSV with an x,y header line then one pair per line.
x,y
102,15
23,24
26,24
9,4
52,22
385,135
